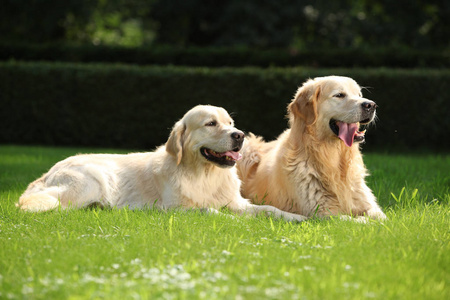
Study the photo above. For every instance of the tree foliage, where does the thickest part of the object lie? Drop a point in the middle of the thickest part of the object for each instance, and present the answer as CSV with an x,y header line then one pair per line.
x,y
298,24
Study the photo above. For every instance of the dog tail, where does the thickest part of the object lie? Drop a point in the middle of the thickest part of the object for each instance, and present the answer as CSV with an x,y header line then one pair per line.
x,y
37,202
251,157
38,198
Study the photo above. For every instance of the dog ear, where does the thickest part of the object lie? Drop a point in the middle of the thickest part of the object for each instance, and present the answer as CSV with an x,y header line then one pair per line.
x,y
175,142
304,104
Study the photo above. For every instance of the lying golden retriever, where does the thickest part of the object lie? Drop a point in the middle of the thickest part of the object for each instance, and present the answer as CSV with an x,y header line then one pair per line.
x,y
315,167
194,169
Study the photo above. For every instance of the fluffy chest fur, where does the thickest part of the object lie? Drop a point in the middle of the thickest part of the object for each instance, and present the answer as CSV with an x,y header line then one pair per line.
x,y
323,180
207,187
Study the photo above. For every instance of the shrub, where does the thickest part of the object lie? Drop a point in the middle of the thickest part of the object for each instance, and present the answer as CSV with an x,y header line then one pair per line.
x,y
135,107
230,57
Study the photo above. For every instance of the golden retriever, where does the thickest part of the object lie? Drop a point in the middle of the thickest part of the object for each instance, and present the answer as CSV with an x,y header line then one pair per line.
x,y
194,169
315,167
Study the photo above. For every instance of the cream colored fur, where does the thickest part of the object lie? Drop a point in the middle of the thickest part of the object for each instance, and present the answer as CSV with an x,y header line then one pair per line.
x,y
175,175
308,170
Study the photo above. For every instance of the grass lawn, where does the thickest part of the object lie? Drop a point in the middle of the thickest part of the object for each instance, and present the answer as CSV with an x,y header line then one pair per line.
x,y
123,254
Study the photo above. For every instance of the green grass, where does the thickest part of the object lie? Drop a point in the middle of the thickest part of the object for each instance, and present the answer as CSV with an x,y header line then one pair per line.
x,y
123,254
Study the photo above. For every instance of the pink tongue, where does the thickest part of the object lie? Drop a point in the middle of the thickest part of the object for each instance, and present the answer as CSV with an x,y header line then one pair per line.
x,y
347,132
233,154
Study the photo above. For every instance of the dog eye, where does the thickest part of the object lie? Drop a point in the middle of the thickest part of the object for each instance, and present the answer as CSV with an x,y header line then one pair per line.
x,y
212,123
340,95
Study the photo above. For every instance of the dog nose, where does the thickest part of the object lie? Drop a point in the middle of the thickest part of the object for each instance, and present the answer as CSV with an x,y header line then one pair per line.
x,y
237,136
369,105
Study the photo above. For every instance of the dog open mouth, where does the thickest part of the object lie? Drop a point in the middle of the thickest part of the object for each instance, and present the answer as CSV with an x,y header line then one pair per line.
x,y
227,158
349,132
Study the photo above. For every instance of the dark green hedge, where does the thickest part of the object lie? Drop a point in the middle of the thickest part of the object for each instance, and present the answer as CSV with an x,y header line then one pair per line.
x,y
231,57
135,107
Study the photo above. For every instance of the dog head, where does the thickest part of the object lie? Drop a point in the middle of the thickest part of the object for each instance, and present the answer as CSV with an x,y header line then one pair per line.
x,y
332,107
206,133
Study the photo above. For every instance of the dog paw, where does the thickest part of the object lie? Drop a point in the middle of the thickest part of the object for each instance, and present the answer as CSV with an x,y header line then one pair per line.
x,y
296,218
376,214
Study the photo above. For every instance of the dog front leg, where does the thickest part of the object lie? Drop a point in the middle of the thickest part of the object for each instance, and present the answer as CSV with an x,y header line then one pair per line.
x,y
268,210
366,199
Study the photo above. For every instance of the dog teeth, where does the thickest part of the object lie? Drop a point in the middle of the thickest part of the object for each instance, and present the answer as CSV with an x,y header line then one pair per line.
x,y
210,152
213,153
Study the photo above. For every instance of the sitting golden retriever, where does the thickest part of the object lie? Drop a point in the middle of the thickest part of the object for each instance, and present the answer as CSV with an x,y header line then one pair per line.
x,y
315,167
194,169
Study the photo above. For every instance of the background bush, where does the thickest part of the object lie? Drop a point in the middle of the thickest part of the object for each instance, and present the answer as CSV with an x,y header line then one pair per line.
x,y
135,107
230,56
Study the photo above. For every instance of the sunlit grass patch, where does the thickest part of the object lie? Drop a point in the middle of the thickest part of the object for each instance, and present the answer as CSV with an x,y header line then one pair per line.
x,y
143,254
